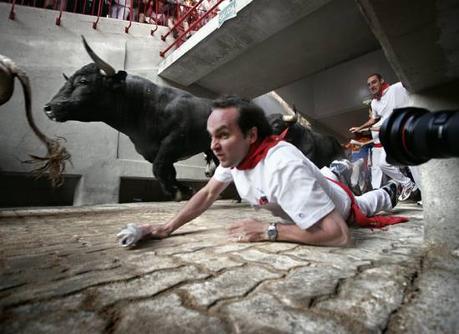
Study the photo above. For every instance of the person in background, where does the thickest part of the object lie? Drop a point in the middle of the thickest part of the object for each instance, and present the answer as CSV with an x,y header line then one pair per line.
x,y
385,98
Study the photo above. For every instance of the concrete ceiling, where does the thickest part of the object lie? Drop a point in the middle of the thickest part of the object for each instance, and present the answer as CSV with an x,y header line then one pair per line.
x,y
272,43
419,38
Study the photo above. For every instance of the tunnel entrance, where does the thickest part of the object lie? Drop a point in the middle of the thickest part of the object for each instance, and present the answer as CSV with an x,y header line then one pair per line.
x,y
22,189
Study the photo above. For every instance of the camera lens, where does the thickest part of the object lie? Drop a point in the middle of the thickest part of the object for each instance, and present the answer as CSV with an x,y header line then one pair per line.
x,y
412,136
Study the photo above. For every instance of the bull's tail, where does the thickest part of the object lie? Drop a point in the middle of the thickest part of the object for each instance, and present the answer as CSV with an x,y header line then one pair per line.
x,y
53,164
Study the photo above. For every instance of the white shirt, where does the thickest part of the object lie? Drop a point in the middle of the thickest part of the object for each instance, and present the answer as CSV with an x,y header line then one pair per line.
x,y
289,185
396,96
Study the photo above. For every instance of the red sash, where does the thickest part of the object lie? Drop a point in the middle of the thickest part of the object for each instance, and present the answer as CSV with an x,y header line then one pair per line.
x,y
259,150
364,221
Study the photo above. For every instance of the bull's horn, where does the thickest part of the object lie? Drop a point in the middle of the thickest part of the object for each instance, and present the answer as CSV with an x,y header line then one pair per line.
x,y
290,118
109,71
65,77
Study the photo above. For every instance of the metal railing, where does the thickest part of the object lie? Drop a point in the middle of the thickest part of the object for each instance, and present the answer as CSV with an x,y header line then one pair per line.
x,y
171,13
184,31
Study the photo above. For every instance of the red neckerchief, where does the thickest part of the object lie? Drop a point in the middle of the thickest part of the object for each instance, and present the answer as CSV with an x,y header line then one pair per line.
x,y
364,221
259,150
379,94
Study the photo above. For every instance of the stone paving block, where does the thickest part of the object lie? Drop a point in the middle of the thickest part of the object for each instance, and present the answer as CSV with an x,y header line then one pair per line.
x,y
330,256
378,253
65,315
184,247
303,285
141,263
277,261
371,296
142,287
276,247
262,313
432,305
232,247
166,315
229,284
208,260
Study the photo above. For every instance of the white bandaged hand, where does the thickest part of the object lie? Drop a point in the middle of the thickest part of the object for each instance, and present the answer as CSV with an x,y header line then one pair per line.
x,y
129,235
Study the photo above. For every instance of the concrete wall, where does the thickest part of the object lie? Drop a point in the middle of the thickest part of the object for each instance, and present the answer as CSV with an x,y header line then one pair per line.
x,y
100,155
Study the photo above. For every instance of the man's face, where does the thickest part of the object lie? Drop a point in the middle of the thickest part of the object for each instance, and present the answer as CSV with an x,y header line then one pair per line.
x,y
228,142
374,84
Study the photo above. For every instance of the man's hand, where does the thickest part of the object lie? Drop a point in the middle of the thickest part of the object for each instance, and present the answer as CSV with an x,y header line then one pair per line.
x,y
248,230
354,129
130,235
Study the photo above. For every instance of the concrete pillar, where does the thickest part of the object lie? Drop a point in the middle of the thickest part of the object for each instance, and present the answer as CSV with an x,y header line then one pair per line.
x,y
440,177
441,201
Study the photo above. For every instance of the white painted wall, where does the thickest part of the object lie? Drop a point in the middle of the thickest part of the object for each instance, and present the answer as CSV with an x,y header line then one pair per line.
x,y
44,50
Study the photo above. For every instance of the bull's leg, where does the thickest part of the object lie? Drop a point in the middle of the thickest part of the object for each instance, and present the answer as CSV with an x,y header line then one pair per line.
x,y
166,175
170,151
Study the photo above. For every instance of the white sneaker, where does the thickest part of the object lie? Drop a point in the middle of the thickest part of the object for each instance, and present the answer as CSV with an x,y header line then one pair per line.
x,y
406,191
343,170
392,189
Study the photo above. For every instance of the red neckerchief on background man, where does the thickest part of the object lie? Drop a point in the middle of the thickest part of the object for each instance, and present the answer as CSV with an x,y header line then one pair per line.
x,y
381,90
364,221
259,150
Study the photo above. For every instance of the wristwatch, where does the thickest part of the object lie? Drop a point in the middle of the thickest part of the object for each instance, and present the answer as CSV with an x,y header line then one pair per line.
x,y
272,232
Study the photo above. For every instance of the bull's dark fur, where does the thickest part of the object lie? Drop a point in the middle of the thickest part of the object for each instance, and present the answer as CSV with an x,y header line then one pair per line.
x,y
165,124
320,149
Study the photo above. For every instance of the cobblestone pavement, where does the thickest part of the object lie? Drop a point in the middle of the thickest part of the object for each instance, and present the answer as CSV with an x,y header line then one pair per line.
x,y
62,271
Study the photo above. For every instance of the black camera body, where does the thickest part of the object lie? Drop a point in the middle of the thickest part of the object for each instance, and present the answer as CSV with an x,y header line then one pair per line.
x,y
412,136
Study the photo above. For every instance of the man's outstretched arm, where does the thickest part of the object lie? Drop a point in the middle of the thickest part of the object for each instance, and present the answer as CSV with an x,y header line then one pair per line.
x,y
199,203
367,124
331,230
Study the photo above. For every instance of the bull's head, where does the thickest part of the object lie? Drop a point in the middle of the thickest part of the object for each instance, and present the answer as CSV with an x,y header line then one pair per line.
x,y
280,122
89,94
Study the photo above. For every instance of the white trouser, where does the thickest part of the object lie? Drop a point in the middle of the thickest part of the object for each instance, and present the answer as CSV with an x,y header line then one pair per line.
x,y
416,176
379,166
120,9
370,203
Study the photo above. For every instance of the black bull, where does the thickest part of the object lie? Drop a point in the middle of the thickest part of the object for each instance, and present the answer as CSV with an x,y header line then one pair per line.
x,y
320,149
165,124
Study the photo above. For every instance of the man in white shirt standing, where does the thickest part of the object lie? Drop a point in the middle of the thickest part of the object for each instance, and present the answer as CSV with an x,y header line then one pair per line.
x,y
272,174
385,98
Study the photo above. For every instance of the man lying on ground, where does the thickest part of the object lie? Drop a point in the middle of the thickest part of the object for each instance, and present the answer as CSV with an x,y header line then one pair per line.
x,y
272,174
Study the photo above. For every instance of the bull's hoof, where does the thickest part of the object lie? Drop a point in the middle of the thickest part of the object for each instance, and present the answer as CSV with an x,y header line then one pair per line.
x,y
182,193
178,196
